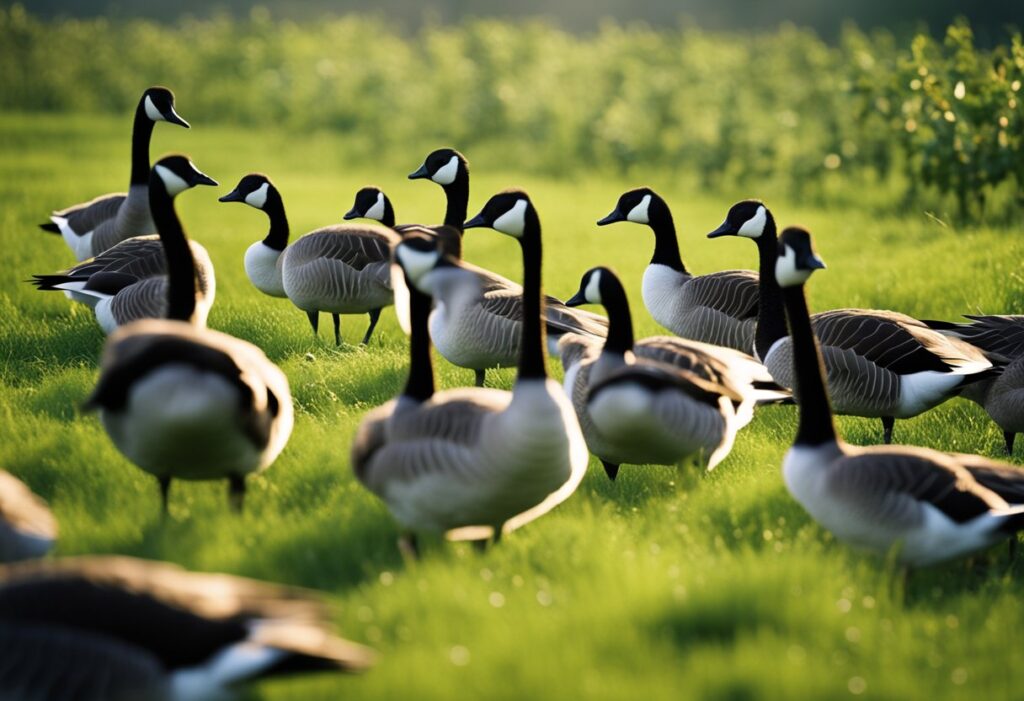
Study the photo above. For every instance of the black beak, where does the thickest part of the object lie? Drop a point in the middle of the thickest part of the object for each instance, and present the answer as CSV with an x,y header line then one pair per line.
x,y
476,222
724,230
352,214
613,217
233,196
813,262
175,118
420,173
203,179
577,299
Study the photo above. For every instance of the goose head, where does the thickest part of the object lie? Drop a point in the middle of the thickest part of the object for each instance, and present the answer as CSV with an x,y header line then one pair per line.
x,y
748,218
253,190
595,286
178,173
159,106
509,212
797,258
431,272
444,166
641,206
371,203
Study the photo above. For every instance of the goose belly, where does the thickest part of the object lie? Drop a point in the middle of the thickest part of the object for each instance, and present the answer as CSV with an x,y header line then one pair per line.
x,y
470,339
184,423
921,391
331,286
1004,401
662,293
575,387
655,427
263,268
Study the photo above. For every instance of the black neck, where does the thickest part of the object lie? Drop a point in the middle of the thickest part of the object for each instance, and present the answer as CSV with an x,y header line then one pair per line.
x,y
458,200
531,356
771,318
420,385
815,426
142,130
181,271
666,246
277,237
620,320
388,219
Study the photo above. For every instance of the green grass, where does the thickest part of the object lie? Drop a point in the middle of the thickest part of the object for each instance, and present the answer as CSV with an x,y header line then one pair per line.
x,y
664,585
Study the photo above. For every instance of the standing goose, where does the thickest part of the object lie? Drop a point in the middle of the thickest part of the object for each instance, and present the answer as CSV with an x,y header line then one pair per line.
x,y
473,462
122,629
92,227
718,308
659,400
926,502
880,364
484,332
182,401
341,269
27,527
1003,396
128,281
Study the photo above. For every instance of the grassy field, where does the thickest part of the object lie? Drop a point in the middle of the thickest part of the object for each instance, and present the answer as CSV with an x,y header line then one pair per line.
x,y
664,585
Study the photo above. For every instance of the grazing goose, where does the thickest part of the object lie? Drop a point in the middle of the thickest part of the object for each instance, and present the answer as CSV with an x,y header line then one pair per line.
x,y
880,364
472,462
27,528
92,227
341,269
1002,397
182,401
718,308
658,400
122,629
128,281
923,501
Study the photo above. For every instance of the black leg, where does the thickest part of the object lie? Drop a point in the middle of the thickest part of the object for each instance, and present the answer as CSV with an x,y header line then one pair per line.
x,y
165,491
409,546
887,424
314,321
497,533
610,469
480,545
480,377
1009,437
337,328
374,318
236,492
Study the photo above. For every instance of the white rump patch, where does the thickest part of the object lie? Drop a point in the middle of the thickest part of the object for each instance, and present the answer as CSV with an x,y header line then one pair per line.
x,y
445,175
376,212
416,263
512,222
593,289
172,181
754,227
258,197
639,213
786,271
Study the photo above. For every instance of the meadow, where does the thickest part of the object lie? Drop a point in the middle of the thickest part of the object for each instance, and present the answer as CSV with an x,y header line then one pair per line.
x,y
665,584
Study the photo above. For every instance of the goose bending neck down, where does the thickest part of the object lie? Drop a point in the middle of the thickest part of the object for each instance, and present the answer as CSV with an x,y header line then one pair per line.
x,y
474,462
926,503
879,363
182,401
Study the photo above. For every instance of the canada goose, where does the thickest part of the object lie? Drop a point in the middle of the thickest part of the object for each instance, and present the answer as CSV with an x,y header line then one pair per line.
x,y
182,401
1002,338
121,629
92,227
484,333
924,501
128,281
718,308
472,462
372,203
879,363
658,400
27,528
341,269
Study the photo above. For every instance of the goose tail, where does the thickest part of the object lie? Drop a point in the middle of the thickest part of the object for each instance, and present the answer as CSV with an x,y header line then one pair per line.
x,y
50,227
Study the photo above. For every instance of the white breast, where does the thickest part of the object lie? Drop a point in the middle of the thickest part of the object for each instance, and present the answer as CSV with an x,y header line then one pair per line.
x,y
263,267
661,293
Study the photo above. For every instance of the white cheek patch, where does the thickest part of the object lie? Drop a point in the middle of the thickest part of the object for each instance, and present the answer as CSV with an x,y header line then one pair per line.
x,y
152,112
258,197
513,221
416,263
754,227
639,213
592,293
376,212
172,181
445,175
786,272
